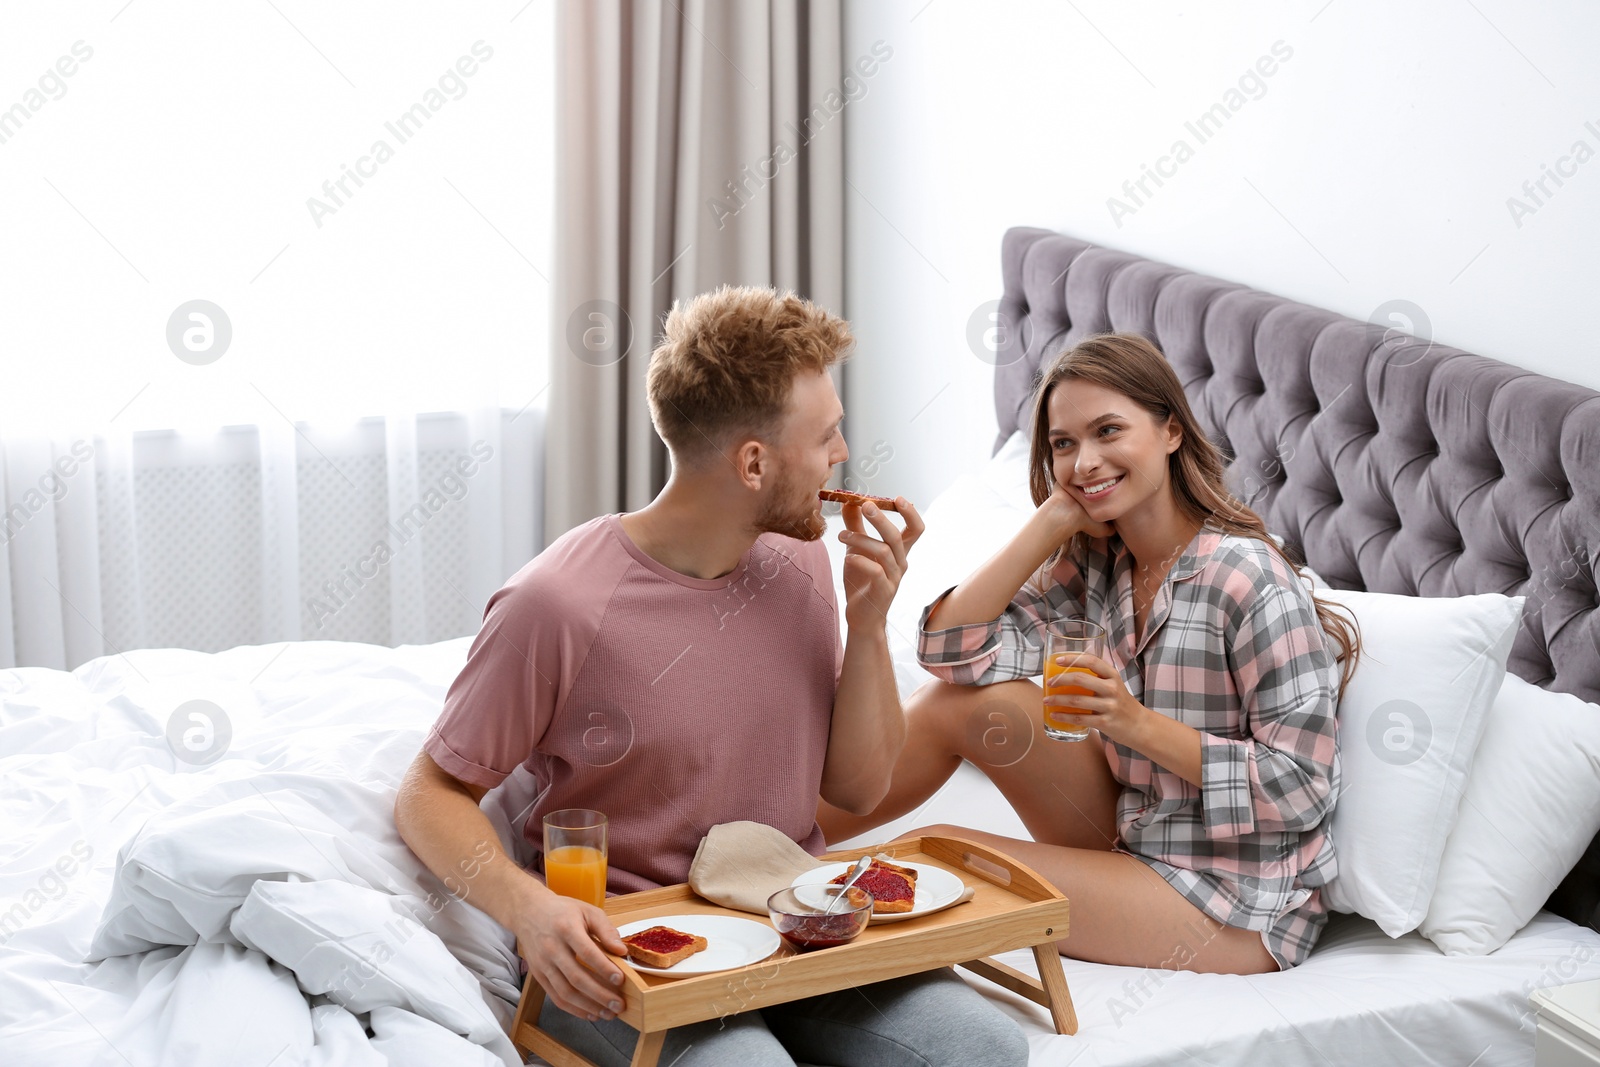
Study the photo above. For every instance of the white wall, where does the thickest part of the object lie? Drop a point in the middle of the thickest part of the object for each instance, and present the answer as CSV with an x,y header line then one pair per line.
x,y
1375,165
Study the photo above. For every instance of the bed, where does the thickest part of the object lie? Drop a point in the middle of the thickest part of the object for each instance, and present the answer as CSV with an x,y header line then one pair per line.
x,y
197,859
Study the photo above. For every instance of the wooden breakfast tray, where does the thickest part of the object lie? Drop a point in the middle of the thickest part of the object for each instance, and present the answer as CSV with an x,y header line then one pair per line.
x,y
1012,907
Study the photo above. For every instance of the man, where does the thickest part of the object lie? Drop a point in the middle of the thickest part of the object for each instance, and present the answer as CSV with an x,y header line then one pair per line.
x,y
680,667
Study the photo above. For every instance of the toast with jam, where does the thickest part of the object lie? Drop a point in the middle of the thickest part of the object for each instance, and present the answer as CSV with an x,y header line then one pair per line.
x,y
662,946
893,888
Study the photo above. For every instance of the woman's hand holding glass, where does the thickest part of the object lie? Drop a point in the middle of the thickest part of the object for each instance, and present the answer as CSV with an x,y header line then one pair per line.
x,y
1102,702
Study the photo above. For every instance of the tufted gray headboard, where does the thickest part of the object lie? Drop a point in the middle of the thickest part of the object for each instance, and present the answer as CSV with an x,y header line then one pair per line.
x,y
1391,463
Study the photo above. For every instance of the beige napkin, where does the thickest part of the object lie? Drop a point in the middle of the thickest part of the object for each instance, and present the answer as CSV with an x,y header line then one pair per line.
x,y
740,864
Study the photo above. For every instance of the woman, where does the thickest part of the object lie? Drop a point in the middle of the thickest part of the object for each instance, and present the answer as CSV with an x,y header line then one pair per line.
x,y
1191,831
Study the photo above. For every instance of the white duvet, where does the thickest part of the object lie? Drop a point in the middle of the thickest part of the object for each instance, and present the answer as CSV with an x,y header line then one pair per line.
x,y
260,909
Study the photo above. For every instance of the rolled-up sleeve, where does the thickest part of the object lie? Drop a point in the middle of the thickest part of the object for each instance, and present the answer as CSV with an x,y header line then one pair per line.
x,y
1283,775
500,704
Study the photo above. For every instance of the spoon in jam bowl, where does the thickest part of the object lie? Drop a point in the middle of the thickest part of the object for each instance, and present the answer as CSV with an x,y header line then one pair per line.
x,y
855,872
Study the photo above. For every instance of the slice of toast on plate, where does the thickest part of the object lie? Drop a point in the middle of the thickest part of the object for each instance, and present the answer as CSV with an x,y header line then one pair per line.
x,y
662,946
893,888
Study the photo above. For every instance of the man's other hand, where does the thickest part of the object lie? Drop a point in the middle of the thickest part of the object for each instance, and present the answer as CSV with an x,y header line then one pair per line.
x,y
557,937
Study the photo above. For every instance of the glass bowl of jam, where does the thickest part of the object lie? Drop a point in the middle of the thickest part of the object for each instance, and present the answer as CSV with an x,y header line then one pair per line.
x,y
799,915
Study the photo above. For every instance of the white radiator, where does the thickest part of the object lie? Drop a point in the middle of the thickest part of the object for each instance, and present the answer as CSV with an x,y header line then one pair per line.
x,y
391,531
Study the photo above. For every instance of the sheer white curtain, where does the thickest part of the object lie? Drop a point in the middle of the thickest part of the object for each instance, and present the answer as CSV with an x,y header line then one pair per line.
x,y
362,205
390,530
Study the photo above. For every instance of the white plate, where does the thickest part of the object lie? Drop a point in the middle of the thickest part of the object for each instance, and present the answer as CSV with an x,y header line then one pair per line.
x,y
937,888
731,942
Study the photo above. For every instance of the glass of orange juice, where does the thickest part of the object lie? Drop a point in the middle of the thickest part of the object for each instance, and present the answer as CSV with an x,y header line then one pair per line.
x,y
575,854
1075,636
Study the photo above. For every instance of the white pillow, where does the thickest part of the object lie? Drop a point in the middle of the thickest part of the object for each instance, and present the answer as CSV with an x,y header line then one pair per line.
x,y
1531,807
1007,473
1409,724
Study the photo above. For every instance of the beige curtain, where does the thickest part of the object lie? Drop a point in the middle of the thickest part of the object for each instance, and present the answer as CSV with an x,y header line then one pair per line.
x,y
698,143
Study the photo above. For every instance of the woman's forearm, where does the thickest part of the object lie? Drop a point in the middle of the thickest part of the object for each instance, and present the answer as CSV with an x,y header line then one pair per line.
x,y
986,593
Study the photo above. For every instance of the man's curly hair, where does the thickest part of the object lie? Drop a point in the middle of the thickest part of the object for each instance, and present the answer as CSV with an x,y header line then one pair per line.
x,y
727,362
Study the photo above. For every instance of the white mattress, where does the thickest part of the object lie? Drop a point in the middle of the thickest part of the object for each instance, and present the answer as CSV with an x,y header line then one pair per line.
x,y
85,769
1361,998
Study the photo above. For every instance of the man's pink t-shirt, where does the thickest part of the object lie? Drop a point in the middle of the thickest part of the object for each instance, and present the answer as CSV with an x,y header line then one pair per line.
x,y
669,703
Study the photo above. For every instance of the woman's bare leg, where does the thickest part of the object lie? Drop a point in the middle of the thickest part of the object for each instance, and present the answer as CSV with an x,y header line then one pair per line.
x,y
1125,913
1063,791
1122,911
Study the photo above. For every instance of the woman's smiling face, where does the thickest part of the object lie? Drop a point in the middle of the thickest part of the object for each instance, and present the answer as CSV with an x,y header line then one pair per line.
x,y
1106,451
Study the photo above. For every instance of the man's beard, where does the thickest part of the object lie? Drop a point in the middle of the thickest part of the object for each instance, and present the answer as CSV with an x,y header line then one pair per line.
x,y
793,512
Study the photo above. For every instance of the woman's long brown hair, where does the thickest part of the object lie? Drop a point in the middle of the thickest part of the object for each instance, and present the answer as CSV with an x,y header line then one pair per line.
x,y
1130,365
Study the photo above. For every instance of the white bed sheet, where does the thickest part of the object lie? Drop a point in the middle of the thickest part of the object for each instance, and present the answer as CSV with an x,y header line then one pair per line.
x,y
1361,999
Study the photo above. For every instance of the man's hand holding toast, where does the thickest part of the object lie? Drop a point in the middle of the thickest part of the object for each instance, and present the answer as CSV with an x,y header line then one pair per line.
x,y
874,566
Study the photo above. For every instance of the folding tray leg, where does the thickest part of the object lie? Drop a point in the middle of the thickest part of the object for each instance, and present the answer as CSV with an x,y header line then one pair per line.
x,y
1050,991
527,1037
528,1007
1048,957
648,1051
